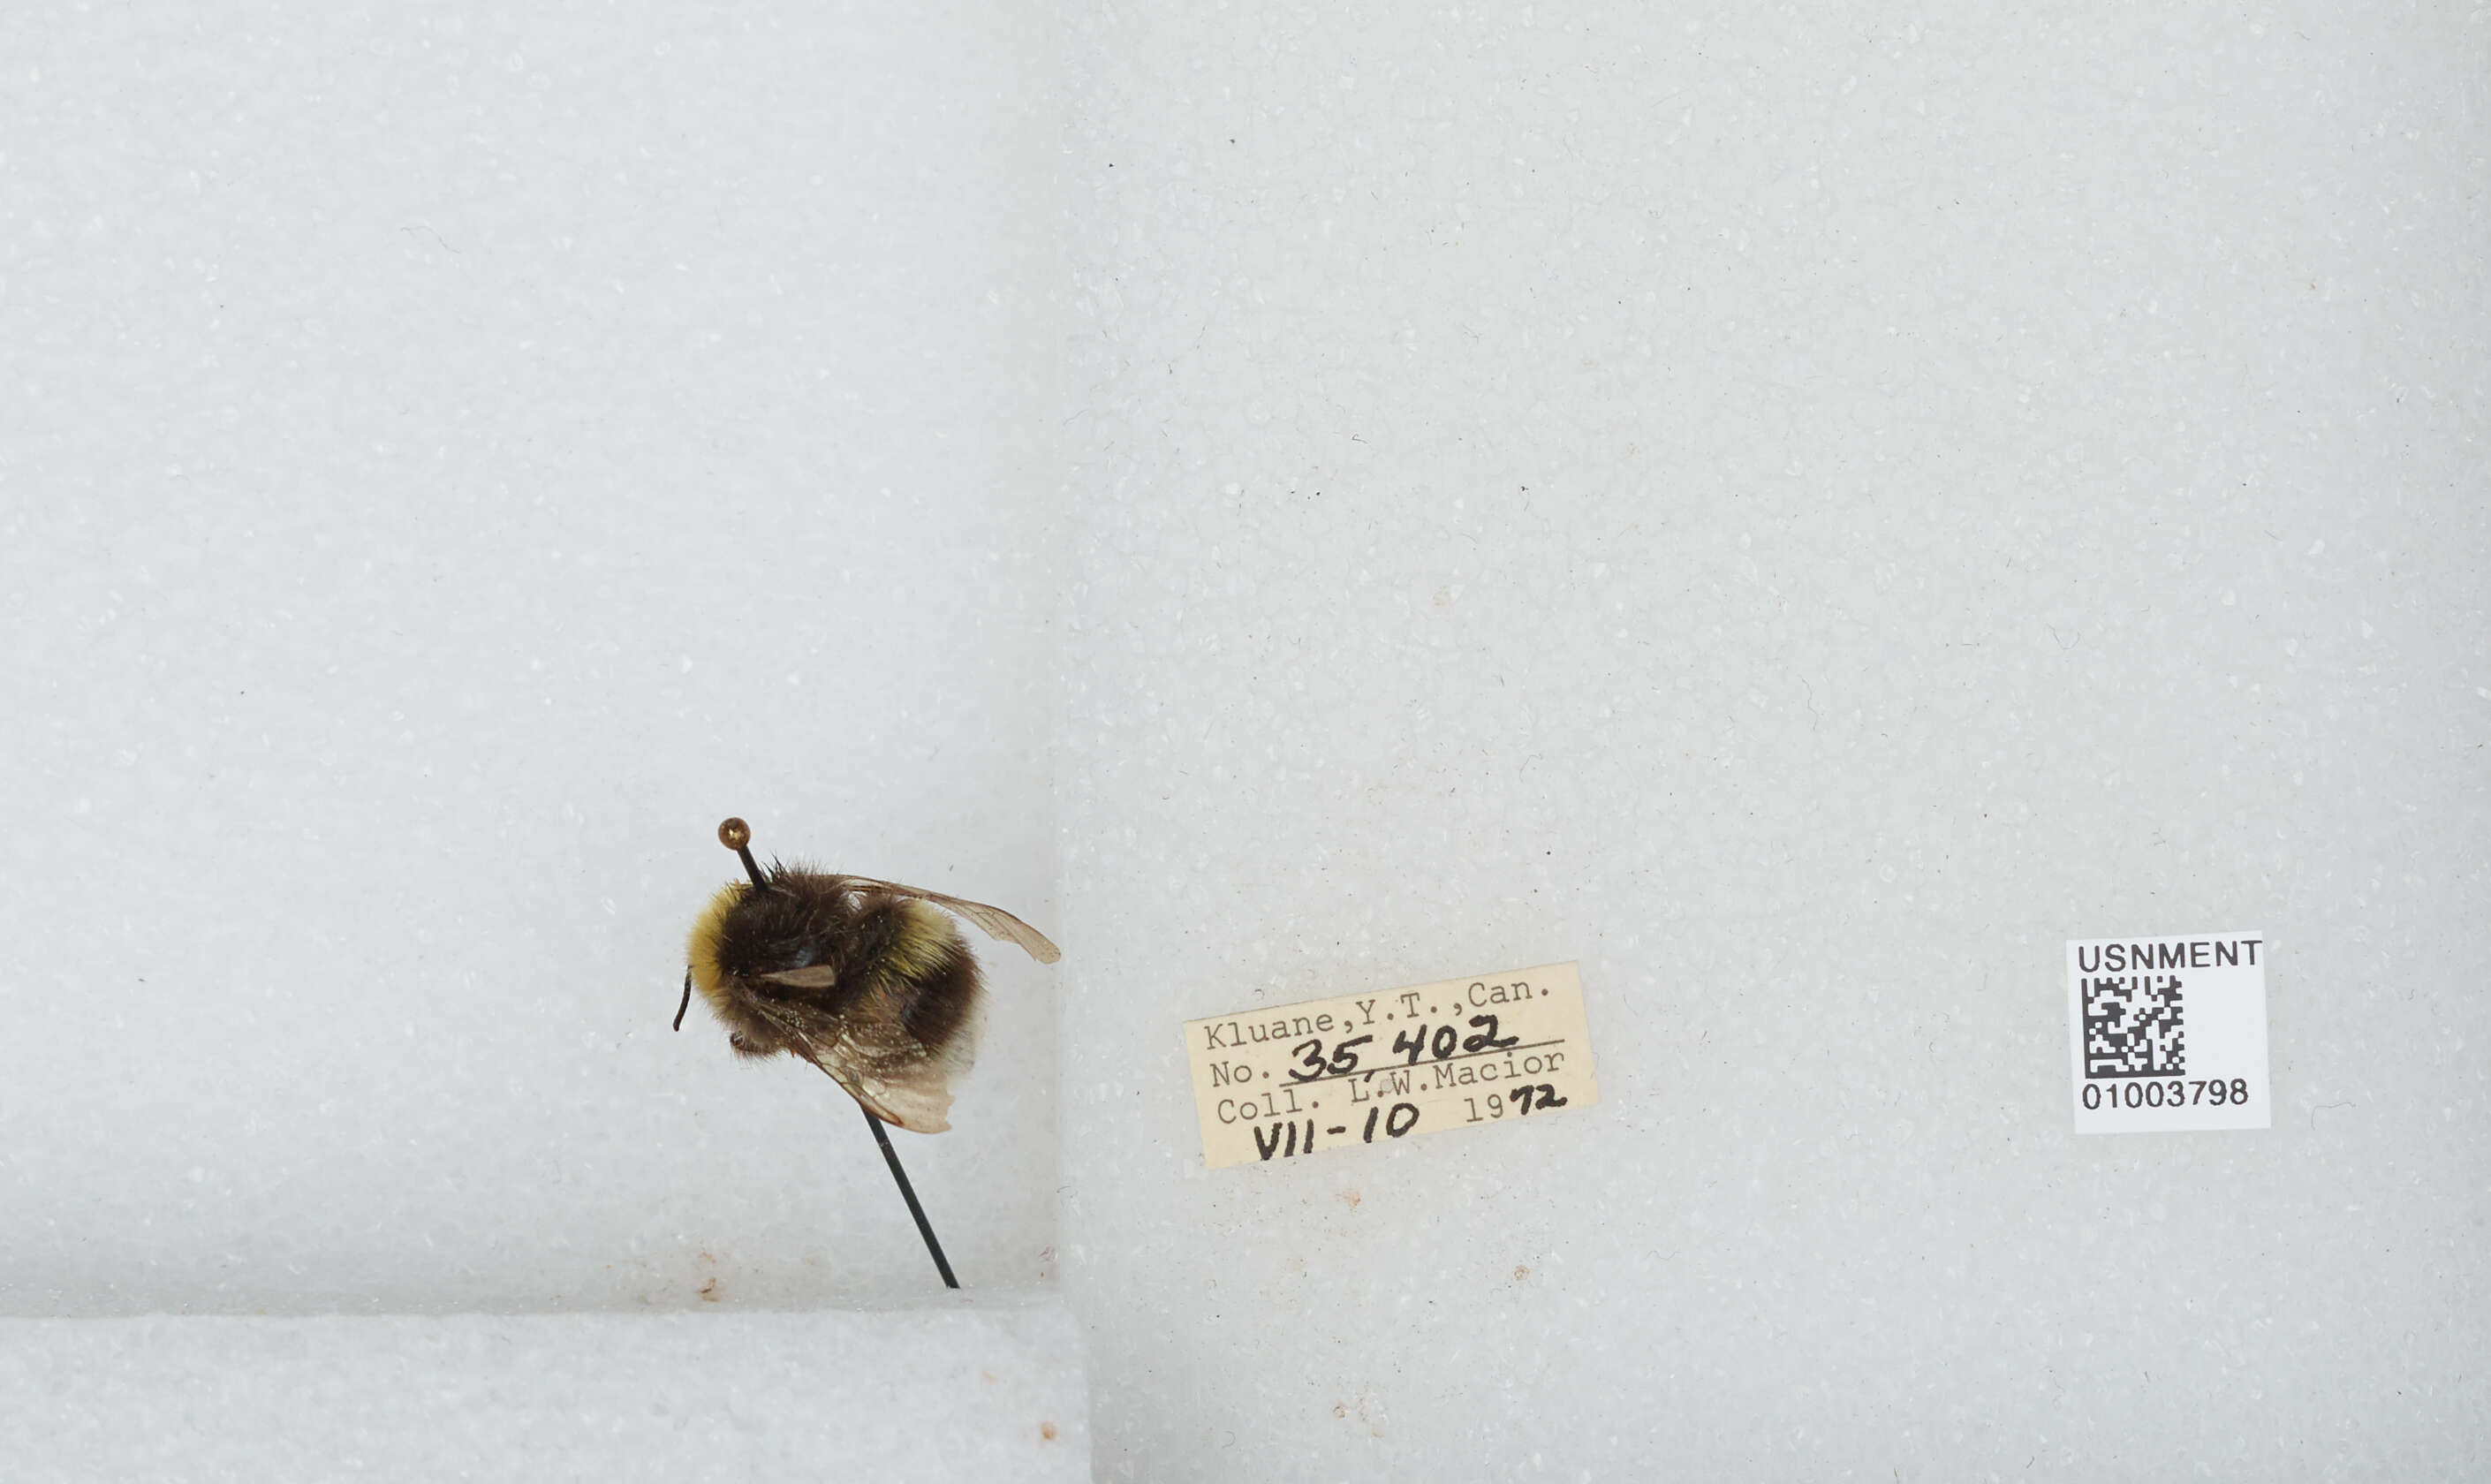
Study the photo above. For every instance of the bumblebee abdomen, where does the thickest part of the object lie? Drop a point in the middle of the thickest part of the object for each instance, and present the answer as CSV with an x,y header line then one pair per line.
x,y
929,977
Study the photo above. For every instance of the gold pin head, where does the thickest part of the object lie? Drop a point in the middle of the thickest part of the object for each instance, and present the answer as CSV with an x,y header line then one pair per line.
x,y
737,835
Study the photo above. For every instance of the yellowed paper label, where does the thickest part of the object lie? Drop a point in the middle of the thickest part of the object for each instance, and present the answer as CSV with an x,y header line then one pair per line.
x,y
1379,1067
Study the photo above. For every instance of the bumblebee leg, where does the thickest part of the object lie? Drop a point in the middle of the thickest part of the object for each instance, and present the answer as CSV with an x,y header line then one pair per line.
x,y
908,1193
687,999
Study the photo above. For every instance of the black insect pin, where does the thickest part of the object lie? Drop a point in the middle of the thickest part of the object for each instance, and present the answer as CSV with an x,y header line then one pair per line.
x,y
868,980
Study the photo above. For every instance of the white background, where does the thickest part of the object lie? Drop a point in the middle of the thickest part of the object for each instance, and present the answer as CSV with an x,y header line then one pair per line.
x,y
1802,512
669,1398
1805,510
451,460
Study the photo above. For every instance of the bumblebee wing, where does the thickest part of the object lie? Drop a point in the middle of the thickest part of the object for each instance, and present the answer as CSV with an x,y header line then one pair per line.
x,y
996,923
816,976
903,1089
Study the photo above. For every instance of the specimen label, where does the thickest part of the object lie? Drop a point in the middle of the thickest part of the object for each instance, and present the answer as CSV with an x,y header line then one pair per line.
x,y
1381,1066
2168,1034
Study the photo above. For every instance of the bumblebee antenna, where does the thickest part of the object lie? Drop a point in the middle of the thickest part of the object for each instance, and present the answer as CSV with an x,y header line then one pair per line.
x,y
687,999
908,1193
737,835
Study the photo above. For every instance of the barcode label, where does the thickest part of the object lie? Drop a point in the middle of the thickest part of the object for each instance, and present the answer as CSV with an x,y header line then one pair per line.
x,y
2169,1032
2133,1026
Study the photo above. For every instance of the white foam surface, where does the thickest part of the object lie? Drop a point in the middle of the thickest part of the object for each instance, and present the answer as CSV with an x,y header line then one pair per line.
x,y
971,1390
1805,511
453,459
1803,514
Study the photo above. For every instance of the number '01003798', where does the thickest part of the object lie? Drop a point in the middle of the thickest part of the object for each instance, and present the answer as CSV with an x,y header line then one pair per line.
x,y
2176,1092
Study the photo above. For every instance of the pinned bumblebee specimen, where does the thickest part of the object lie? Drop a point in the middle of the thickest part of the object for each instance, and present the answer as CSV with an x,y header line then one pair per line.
x,y
866,980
